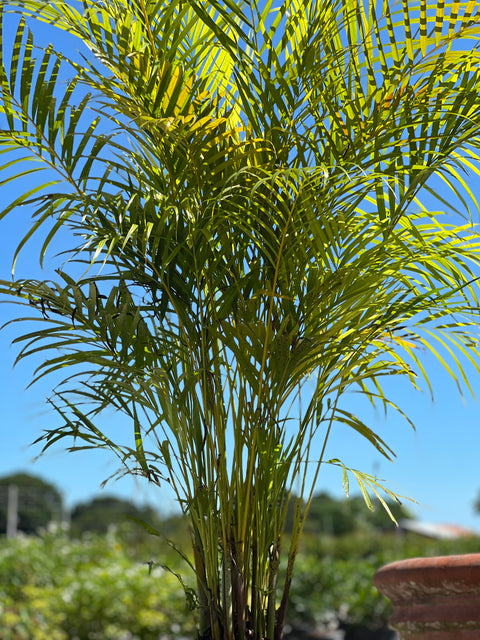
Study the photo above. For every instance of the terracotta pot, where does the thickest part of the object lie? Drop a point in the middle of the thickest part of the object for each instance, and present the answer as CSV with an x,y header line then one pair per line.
x,y
434,598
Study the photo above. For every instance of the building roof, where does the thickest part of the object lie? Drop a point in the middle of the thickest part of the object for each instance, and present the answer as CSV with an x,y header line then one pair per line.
x,y
436,530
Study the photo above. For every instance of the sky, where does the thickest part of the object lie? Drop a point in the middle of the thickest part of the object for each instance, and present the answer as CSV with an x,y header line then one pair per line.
x,y
437,465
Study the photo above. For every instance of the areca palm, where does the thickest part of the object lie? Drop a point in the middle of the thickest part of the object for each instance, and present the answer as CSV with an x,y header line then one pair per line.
x,y
247,186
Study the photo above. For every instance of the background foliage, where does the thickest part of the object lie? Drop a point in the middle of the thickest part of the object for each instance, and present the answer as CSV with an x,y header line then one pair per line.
x,y
59,589
99,587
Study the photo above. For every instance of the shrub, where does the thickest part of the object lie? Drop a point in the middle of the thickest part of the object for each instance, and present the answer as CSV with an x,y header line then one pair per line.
x,y
91,589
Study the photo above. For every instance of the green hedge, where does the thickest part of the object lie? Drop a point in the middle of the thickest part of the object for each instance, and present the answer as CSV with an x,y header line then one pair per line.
x,y
100,588
334,577
54,589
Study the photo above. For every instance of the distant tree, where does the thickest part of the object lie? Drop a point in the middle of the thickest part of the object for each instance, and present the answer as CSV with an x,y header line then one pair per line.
x,y
339,516
100,513
39,502
476,504
333,516
379,519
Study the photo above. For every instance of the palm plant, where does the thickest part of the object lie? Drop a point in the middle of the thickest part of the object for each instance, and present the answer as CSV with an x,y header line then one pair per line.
x,y
246,186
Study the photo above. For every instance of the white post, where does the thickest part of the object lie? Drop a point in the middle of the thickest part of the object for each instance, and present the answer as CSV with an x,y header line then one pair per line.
x,y
12,511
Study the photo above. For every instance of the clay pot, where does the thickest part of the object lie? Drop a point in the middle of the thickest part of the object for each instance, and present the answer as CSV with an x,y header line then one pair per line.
x,y
433,598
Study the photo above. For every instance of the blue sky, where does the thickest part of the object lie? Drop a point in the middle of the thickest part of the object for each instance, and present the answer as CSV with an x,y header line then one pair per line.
x,y
437,465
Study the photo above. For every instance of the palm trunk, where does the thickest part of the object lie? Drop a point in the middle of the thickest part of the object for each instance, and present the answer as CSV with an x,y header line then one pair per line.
x,y
238,592
204,622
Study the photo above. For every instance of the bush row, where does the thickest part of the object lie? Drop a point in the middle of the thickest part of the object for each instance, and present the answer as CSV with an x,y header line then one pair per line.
x,y
111,588
52,588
